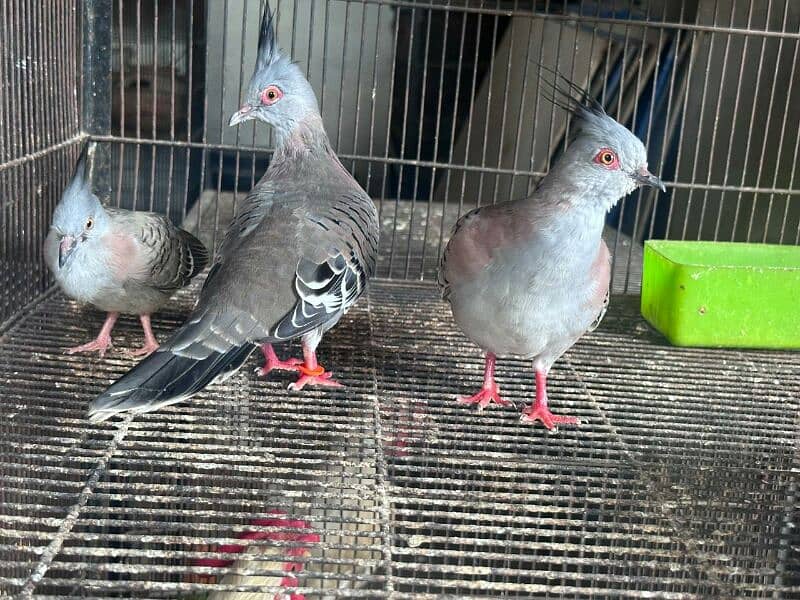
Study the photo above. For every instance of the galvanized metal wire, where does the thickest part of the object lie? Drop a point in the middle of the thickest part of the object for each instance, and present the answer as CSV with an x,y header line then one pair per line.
x,y
682,480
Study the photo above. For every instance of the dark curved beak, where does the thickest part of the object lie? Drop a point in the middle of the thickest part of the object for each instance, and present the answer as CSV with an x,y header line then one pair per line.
x,y
65,249
243,115
645,177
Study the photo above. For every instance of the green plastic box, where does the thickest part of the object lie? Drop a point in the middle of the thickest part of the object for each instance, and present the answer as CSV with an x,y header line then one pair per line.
x,y
722,294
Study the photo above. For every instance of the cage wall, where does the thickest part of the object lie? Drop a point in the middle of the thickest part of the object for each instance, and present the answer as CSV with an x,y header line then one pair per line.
x,y
436,108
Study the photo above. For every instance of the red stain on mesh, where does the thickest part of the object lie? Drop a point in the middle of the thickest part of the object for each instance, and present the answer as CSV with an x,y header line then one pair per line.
x,y
278,536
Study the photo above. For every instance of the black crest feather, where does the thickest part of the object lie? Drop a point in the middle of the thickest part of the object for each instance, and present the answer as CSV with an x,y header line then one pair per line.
x,y
266,39
561,92
78,179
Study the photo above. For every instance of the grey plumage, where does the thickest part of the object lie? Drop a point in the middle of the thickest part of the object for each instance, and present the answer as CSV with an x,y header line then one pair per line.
x,y
296,257
530,277
117,260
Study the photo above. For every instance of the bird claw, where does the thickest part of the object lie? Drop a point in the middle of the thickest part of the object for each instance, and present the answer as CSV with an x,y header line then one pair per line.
x,y
291,364
540,412
484,398
309,378
145,350
99,345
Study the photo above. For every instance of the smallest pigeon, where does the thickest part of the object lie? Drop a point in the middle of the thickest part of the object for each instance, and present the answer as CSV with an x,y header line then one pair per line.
x,y
117,260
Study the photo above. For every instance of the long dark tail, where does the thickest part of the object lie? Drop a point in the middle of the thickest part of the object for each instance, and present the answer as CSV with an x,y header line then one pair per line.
x,y
166,378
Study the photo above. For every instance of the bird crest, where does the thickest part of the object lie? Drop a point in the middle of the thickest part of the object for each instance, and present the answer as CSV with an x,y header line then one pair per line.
x,y
267,45
561,92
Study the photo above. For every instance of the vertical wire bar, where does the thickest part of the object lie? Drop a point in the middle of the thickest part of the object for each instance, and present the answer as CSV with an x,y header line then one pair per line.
x,y
766,136
357,121
715,127
221,122
743,178
700,113
240,91
388,135
471,112
325,28
173,60
155,106
733,131
204,150
639,87
453,131
372,114
442,67
404,132
138,144
504,104
488,113
338,145
649,134
419,148
189,104
795,155
551,120
534,115
522,104
122,87
620,92
685,93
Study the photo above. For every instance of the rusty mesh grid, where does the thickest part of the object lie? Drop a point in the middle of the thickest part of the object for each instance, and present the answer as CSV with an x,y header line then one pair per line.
x,y
682,480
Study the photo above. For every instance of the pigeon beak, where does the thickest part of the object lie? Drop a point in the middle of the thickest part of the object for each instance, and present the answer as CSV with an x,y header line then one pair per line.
x,y
242,115
65,249
645,177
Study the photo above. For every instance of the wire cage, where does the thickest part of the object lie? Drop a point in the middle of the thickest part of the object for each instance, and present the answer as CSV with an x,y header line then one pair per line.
x,y
681,481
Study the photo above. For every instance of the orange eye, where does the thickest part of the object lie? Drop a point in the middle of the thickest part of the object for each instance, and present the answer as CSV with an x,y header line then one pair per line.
x,y
271,95
607,157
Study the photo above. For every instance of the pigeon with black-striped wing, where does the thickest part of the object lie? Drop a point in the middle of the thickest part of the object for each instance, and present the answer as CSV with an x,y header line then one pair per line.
x,y
296,257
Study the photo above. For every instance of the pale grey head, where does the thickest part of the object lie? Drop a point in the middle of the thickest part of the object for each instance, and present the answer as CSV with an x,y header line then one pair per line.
x,y
604,157
278,93
79,220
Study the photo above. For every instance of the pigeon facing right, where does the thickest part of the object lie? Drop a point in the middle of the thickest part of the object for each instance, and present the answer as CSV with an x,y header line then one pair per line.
x,y
530,277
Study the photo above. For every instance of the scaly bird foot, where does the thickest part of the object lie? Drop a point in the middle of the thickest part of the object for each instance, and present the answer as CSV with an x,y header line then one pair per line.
x,y
484,398
317,376
100,344
291,364
540,412
145,350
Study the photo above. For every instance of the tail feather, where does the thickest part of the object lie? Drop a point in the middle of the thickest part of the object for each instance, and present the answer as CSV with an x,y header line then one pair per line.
x,y
165,378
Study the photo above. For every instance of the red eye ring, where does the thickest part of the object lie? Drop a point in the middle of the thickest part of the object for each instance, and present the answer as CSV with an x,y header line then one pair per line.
x,y
271,95
607,158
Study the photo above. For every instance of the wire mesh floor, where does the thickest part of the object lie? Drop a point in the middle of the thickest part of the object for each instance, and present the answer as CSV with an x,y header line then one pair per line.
x,y
680,483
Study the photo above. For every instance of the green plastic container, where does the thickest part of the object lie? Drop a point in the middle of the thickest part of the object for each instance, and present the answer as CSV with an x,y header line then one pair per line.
x,y
721,294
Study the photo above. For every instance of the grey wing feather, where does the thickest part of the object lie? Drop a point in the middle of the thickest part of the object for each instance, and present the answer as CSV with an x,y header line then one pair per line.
x,y
441,278
174,256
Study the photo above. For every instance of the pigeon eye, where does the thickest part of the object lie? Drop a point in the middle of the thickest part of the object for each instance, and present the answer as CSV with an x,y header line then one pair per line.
x,y
607,158
271,95
89,223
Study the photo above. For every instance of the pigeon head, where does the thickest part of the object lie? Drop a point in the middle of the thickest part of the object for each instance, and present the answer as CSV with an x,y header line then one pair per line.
x,y
605,157
278,93
79,219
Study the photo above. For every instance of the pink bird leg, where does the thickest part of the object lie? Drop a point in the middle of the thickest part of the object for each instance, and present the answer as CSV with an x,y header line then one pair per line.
x,y
539,410
312,372
272,362
103,340
150,341
490,391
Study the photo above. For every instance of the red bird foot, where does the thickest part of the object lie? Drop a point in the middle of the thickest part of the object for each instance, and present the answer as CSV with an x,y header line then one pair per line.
x,y
100,344
485,397
316,376
145,350
273,363
540,412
